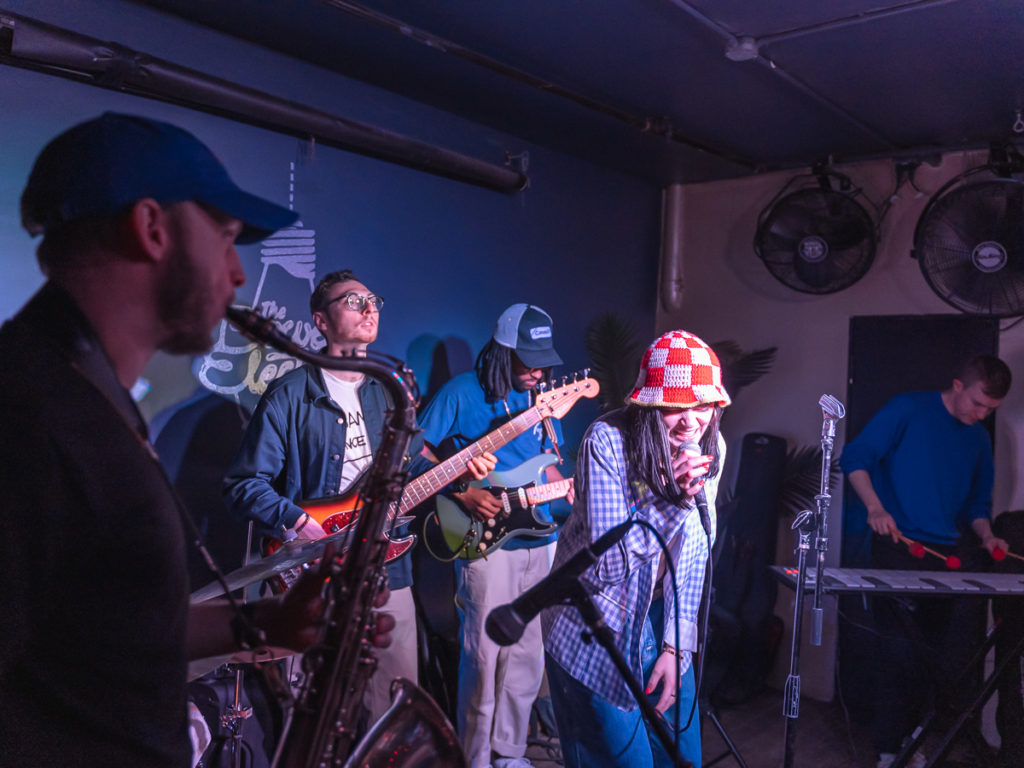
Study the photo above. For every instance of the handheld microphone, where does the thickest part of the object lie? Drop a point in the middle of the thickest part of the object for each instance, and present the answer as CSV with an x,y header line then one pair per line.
x,y
506,623
700,499
693,448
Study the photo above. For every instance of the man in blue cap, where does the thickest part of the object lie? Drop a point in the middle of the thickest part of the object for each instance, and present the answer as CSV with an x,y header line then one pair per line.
x,y
139,223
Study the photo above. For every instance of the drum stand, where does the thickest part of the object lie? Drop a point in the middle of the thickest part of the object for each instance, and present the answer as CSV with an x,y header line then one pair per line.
x,y
233,719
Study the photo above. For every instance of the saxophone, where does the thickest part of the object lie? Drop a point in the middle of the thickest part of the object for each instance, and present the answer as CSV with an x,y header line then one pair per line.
x,y
321,729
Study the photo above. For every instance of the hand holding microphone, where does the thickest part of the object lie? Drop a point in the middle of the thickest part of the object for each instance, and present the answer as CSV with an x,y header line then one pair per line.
x,y
690,467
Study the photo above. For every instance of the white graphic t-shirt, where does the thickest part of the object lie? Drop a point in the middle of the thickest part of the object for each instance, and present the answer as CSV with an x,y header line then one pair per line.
x,y
358,454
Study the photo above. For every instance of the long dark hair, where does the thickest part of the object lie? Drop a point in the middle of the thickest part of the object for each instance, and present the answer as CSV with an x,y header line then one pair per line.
x,y
494,371
648,453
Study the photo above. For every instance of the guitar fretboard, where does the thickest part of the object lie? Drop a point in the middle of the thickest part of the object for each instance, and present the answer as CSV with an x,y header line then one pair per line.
x,y
426,485
540,494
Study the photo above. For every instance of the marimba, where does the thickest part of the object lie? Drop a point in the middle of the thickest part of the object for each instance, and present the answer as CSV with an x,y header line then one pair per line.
x,y
858,580
924,584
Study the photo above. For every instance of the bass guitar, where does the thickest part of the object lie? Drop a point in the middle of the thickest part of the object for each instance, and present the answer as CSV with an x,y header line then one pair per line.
x,y
520,491
336,513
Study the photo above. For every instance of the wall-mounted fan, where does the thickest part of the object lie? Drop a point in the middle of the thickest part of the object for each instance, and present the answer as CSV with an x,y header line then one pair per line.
x,y
814,236
969,241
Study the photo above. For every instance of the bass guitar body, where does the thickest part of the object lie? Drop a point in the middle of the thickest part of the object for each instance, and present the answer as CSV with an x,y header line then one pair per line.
x,y
470,538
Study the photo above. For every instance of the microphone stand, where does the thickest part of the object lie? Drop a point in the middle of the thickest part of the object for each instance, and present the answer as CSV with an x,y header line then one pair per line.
x,y
806,523
600,631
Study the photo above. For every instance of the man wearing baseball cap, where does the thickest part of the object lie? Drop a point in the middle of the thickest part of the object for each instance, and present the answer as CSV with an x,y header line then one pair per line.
x,y
497,685
657,460
139,223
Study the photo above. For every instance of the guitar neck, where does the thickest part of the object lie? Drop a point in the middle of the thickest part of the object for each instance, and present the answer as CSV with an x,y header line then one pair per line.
x,y
541,494
430,482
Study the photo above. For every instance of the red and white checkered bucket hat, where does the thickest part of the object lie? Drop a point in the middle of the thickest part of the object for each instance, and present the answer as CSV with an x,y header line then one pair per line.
x,y
679,371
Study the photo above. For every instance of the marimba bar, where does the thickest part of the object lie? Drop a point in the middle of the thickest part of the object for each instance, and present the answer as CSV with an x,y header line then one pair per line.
x,y
858,580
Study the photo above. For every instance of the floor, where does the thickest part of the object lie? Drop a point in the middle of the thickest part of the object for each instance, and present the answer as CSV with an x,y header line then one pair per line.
x,y
823,737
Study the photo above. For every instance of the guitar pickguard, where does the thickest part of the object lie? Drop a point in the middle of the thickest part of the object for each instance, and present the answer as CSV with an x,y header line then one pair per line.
x,y
470,539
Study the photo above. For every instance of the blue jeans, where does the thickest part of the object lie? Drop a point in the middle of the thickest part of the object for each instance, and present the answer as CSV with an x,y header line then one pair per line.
x,y
594,733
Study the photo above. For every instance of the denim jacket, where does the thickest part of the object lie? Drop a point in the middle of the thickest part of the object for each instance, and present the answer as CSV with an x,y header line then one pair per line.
x,y
293,450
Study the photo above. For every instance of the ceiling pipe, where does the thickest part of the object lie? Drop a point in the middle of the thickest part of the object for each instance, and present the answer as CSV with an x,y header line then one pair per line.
x,y
747,48
850,21
654,126
31,44
672,284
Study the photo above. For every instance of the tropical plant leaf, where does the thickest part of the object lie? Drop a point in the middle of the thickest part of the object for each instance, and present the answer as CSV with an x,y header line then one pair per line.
x,y
801,480
615,355
741,369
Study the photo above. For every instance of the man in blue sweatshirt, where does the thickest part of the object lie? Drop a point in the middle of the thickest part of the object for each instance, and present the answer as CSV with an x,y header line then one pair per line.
x,y
923,469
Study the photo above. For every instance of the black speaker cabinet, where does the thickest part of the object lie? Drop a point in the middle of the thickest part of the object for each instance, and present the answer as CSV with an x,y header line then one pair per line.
x,y
746,636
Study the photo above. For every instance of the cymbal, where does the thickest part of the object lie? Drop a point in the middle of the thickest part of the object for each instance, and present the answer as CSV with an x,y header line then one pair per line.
x,y
199,667
292,554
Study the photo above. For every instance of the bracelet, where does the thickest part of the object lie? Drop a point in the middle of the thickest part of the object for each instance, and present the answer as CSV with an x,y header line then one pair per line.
x,y
666,648
305,522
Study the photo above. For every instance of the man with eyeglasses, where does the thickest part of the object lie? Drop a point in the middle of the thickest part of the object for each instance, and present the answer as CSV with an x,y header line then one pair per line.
x,y
313,434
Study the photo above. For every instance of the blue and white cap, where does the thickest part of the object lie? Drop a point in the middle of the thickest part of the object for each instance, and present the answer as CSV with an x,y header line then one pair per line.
x,y
527,330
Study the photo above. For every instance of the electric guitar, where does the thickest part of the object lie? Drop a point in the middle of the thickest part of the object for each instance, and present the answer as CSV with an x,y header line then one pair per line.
x,y
336,513
470,538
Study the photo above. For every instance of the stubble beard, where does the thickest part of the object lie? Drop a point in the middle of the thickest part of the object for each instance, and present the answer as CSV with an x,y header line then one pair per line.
x,y
184,307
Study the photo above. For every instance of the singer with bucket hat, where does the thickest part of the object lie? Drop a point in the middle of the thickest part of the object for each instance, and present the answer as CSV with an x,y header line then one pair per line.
x,y
657,460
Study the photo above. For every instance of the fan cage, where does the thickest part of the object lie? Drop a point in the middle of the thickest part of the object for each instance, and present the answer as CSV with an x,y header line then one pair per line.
x,y
969,244
815,239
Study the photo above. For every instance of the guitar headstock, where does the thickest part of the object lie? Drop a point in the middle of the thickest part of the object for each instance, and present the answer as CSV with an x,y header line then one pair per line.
x,y
557,402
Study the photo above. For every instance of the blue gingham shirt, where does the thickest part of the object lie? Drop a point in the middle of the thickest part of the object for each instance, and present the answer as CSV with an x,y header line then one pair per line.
x,y
621,582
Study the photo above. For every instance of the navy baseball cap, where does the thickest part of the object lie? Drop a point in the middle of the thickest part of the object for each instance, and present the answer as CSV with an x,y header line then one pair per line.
x,y
527,329
105,165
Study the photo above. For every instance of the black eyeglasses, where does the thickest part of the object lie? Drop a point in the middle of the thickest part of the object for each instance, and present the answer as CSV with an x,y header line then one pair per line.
x,y
358,302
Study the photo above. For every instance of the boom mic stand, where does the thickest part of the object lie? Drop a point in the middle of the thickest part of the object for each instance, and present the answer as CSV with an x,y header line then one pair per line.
x,y
806,523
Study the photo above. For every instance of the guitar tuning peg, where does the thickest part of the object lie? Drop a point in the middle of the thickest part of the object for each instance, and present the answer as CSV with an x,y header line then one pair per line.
x,y
542,386
586,372
564,380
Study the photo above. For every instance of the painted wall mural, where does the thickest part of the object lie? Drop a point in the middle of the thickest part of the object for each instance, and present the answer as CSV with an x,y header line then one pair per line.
x,y
240,369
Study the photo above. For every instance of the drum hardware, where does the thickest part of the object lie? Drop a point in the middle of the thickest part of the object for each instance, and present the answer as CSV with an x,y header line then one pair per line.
x,y
231,722
292,554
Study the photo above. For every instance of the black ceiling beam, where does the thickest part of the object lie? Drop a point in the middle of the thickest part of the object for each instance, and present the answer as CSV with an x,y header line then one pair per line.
x,y
41,47
660,127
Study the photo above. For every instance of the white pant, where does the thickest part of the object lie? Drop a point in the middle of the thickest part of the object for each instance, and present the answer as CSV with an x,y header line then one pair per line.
x,y
497,685
400,659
